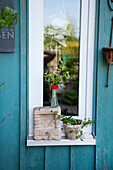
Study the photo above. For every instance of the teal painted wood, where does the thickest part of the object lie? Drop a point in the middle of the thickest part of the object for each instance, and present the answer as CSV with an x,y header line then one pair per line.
x,y
62,157
9,100
104,149
57,158
82,157
95,68
23,86
13,130
35,158
27,62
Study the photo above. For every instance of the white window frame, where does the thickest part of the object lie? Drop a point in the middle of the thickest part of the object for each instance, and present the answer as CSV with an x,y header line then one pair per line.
x,y
87,37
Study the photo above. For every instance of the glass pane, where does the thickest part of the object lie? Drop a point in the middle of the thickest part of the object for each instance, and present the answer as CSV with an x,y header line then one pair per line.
x,y
62,42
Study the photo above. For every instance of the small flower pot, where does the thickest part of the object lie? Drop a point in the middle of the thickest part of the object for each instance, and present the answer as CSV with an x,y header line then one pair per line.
x,y
71,131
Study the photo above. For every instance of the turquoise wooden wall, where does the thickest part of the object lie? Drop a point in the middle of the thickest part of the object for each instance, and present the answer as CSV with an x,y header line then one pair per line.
x,y
104,149
10,103
14,154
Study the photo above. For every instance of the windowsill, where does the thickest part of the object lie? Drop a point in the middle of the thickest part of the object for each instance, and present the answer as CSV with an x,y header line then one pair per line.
x,y
90,140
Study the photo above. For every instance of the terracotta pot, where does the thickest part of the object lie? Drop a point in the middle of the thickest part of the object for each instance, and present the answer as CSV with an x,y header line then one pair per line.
x,y
70,131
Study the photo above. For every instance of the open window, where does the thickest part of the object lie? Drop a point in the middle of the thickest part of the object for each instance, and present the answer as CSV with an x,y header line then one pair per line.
x,y
75,44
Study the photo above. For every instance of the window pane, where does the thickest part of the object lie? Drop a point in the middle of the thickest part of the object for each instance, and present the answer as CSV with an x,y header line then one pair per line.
x,y
62,42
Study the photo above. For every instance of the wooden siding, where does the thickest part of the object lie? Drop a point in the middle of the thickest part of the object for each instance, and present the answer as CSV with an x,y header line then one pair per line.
x,y
14,154
9,103
104,130
63,157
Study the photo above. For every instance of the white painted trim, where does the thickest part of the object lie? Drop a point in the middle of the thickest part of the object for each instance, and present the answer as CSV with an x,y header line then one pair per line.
x,y
83,57
86,59
35,58
90,62
63,142
87,40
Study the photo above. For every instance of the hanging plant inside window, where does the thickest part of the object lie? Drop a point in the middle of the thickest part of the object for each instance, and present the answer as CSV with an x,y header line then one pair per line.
x,y
59,24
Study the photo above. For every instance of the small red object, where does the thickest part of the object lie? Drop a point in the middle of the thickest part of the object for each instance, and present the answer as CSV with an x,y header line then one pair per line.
x,y
54,86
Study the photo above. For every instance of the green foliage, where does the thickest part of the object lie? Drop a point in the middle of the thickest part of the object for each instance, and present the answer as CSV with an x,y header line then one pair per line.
x,y
71,121
71,51
55,112
70,97
73,38
72,65
81,133
7,17
49,41
86,123
77,137
71,131
78,130
60,77
71,57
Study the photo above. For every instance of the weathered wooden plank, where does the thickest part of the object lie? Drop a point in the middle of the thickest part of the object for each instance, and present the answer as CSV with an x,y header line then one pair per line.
x,y
95,67
104,149
35,158
23,84
9,103
57,158
82,157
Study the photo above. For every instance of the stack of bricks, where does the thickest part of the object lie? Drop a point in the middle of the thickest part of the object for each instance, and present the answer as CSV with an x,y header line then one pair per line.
x,y
46,124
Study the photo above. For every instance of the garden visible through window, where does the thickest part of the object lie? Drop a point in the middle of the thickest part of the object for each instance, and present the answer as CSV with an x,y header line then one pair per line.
x,y
62,43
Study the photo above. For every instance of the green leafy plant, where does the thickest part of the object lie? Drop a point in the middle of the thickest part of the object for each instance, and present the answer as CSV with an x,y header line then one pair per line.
x,y
71,121
61,77
7,17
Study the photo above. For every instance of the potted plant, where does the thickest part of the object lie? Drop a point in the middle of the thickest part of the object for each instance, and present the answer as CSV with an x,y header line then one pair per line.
x,y
7,17
74,127
56,80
